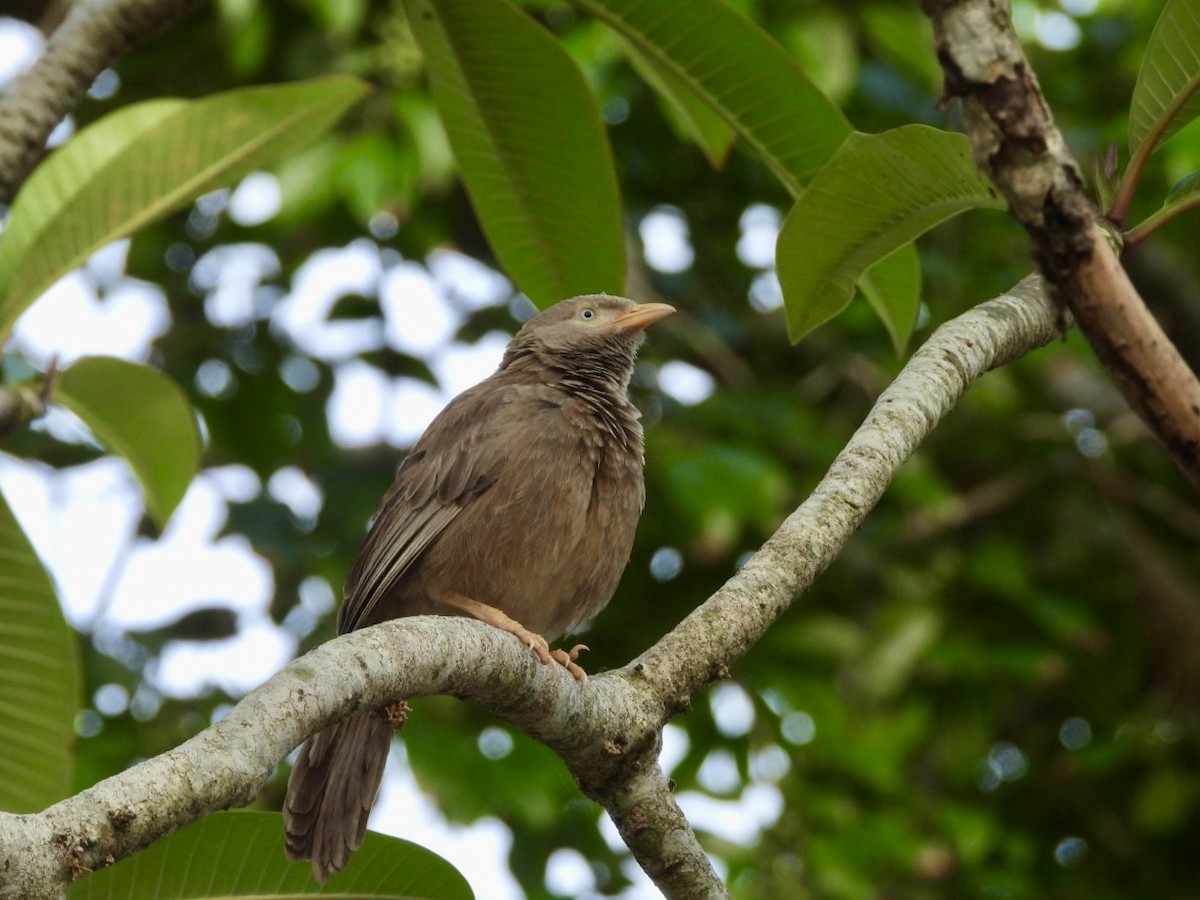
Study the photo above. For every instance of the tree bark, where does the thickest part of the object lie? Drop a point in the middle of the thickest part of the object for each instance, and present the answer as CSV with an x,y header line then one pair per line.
x,y
93,35
1018,146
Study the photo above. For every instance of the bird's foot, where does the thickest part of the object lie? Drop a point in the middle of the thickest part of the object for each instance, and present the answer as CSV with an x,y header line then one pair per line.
x,y
396,714
566,659
531,639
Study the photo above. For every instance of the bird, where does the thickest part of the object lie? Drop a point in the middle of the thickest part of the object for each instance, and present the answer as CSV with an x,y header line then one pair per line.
x,y
517,507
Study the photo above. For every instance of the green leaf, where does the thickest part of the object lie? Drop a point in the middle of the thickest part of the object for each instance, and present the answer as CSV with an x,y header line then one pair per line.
x,y
141,415
1186,192
875,195
39,679
892,287
902,35
240,854
736,67
530,143
1184,197
689,114
827,43
375,172
138,164
1166,96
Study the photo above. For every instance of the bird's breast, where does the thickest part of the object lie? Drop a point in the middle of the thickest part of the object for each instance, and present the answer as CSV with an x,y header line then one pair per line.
x,y
549,540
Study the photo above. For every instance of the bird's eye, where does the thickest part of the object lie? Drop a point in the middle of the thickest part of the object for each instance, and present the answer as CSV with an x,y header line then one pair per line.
x,y
587,315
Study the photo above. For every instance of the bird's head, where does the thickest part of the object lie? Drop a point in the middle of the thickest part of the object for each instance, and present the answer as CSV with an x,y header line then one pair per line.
x,y
596,332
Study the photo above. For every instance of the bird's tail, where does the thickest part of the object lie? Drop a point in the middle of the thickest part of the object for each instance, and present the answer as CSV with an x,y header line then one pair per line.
x,y
332,789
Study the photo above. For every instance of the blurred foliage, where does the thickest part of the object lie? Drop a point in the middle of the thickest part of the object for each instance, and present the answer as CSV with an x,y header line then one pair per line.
x,y
993,692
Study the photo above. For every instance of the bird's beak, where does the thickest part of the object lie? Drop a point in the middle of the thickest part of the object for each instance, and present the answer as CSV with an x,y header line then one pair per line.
x,y
641,316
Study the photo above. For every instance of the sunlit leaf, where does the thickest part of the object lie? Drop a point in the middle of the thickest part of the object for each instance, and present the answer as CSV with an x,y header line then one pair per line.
x,y
39,678
530,144
1166,96
735,66
138,164
876,194
142,416
240,854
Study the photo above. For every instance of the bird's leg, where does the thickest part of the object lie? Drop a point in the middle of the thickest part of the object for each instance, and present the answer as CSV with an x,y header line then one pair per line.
x,y
499,619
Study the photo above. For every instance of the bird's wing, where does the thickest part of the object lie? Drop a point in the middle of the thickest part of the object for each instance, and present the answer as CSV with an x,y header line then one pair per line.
x,y
448,468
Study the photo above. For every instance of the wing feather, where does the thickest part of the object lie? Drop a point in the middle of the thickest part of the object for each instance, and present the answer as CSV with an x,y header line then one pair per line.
x,y
448,468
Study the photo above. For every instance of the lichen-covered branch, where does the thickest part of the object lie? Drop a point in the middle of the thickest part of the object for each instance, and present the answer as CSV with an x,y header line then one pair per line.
x,y
715,636
655,829
93,35
1017,144
226,764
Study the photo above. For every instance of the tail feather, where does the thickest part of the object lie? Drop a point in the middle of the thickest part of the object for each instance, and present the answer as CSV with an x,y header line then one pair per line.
x,y
332,789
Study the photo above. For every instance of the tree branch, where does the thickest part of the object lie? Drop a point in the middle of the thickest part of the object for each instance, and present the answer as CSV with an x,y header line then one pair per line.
x,y
226,764
94,34
607,732
716,635
1017,144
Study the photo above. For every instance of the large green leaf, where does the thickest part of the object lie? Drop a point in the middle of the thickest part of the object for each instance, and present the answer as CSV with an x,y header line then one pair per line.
x,y
704,49
139,163
530,143
141,415
892,287
752,82
39,679
691,116
1166,96
876,194
240,854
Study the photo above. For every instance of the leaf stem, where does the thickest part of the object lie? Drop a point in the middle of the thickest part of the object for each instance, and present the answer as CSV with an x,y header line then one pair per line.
x,y
1137,162
1129,180
1151,224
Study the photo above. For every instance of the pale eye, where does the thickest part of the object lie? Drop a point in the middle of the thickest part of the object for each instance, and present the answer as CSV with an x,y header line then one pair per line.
x,y
587,315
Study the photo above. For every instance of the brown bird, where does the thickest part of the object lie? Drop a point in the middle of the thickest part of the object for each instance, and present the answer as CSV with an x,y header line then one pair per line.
x,y
517,507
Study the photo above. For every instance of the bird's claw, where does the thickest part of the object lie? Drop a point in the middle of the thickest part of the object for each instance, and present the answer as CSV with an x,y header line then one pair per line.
x,y
538,645
396,714
564,658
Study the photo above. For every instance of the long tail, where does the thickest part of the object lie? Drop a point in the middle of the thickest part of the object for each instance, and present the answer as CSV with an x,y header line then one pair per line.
x,y
332,789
